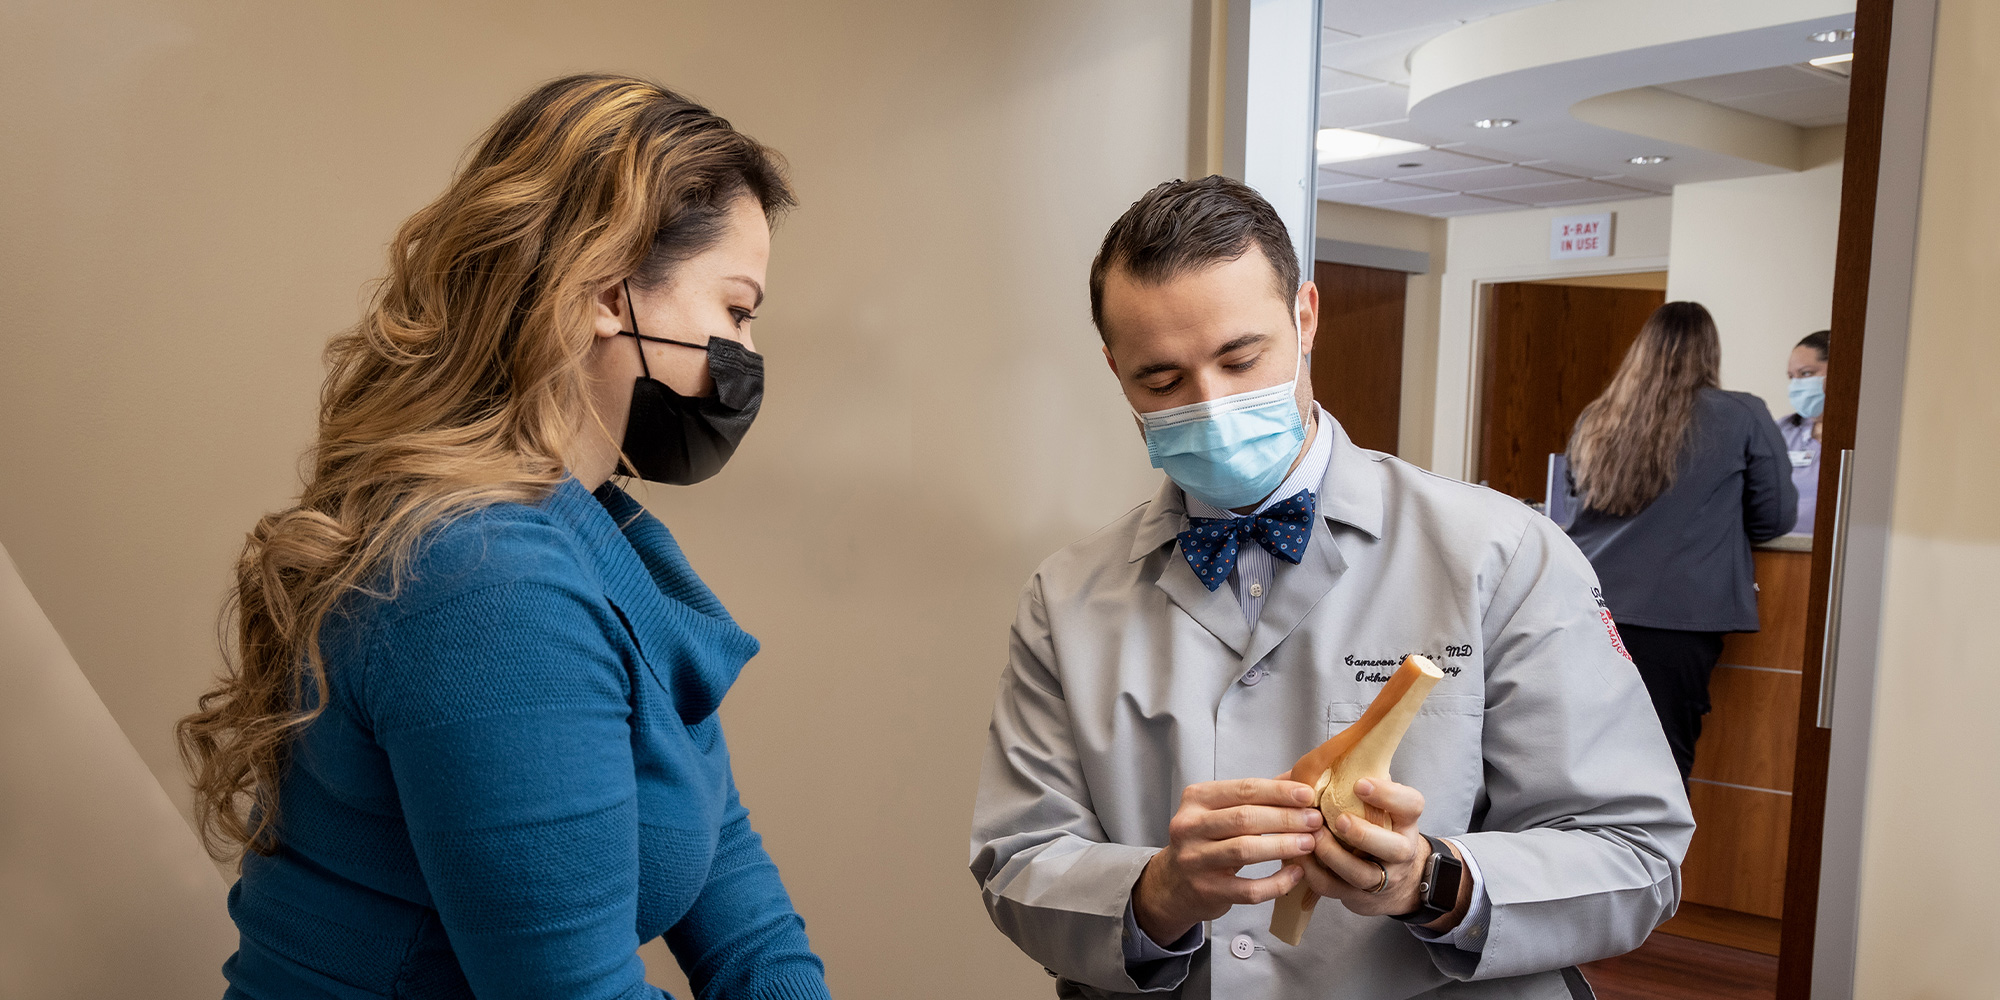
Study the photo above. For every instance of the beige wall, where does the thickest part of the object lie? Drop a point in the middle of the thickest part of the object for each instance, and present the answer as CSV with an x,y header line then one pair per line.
x,y
1514,246
1927,927
198,194
106,893
1403,231
1758,252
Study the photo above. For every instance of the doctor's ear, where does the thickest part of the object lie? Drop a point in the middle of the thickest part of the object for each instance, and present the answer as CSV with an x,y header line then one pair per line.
x,y
1308,306
607,313
1109,360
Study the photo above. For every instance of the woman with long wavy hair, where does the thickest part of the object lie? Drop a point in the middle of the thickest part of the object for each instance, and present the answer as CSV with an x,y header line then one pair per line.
x,y
468,744
1677,479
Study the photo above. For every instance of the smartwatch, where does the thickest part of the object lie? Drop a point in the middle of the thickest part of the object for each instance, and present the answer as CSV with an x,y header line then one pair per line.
x,y
1437,894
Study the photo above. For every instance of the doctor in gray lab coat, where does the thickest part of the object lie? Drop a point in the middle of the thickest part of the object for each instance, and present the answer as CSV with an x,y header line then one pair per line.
x,y
1128,833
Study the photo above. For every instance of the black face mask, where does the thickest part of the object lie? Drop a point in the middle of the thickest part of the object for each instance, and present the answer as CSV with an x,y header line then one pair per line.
x,y
681,440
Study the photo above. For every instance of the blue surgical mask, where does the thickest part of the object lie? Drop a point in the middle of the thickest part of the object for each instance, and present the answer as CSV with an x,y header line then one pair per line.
x,y
1233,451
1808,396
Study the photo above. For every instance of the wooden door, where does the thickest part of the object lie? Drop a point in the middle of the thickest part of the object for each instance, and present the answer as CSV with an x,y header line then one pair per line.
x,y
1860,172
1549,350
1357,360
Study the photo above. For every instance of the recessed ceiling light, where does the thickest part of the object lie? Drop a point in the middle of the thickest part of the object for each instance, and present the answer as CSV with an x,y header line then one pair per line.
x,y
1647,161
1406,166
1831,60
1495,123
1335,145
1831,36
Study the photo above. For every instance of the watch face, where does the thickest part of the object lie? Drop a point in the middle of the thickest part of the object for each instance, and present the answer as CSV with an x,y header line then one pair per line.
x,y
1443,869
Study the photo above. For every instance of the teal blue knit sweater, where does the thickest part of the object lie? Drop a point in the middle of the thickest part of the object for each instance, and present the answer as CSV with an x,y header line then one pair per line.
x,y
519,777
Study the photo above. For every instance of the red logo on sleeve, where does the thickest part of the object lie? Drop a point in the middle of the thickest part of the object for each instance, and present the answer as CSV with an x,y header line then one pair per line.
x,y
1611,629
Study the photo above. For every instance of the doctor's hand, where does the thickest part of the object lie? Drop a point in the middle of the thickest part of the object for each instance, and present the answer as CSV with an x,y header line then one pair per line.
x,y
1345,859
1222,826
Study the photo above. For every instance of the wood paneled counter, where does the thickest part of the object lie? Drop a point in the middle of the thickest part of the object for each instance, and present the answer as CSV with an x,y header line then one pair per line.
x,y
1741,788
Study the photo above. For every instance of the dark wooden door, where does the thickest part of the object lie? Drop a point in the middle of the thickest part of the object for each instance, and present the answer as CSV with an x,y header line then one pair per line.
x,y
1357,361
1861,170
1548,351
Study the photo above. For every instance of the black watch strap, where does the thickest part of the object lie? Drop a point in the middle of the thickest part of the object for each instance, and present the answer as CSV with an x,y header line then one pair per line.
x,y
1438,892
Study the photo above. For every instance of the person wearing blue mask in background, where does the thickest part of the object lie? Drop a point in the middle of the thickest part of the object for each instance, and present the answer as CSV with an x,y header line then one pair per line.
x,y
1128,833
1807,370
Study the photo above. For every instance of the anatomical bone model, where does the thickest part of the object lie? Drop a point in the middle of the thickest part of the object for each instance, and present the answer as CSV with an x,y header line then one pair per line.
x,y
1362,750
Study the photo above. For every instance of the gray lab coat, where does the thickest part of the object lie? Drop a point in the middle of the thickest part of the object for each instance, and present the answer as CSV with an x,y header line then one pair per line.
x,y
1127,681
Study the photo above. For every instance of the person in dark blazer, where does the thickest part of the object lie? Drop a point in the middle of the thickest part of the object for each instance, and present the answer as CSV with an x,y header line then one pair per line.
x,y
468,743
1675,479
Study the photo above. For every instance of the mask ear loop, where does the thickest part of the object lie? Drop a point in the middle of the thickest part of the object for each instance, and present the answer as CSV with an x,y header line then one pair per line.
x,y
632,312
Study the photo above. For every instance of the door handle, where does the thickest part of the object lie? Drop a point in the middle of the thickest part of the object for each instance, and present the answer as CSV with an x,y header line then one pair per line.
x,y
1829,646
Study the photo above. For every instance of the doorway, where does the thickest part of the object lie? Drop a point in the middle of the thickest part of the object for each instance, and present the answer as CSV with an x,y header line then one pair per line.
x,y
1548,349
1357,359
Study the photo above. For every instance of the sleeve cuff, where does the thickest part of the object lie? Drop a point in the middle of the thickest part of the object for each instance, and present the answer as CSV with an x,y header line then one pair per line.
x,y
1469,935
1141,948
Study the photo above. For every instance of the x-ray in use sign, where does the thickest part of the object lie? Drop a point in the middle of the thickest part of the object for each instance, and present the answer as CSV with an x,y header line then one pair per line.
x,y
1580,236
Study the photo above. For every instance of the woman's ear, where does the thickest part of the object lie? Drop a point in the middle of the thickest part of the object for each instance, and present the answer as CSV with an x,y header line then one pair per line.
x,y
608,317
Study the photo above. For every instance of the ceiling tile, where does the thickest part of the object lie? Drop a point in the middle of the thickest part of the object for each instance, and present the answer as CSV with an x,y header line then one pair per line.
x,y
1331,175
1407,132
1799,95
1428,161
1382,102
1775,80
1484,152
1375,17
1488,178
1566,191
1375,192
1385,56
1820,106
1572,169
1333,81
1447,204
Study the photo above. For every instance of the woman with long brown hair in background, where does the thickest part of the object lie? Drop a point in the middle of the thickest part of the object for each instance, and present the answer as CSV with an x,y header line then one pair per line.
x,y
467,746
1677,479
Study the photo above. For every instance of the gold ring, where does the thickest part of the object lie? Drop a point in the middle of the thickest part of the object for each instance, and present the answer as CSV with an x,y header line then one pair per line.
x,y
1385,879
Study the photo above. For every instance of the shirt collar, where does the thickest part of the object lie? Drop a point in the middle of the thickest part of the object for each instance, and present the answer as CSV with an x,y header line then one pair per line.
x,y
1349,492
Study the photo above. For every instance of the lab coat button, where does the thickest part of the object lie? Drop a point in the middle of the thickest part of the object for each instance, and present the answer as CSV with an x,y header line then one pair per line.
x,y
1242,947
1256,674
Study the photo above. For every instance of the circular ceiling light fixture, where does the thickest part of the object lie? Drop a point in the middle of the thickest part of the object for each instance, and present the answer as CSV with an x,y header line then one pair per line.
x,y
1831,36
1647,161
1495,123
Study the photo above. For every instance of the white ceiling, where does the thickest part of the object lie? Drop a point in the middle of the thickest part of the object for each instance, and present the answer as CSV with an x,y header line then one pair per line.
x,y
1364,85
1797,95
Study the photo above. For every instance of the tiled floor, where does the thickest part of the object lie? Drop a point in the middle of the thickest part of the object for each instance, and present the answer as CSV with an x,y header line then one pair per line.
x,y
1677,968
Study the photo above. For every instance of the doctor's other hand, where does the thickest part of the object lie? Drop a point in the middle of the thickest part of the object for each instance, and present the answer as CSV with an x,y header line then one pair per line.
x,y
1220,827
1345,858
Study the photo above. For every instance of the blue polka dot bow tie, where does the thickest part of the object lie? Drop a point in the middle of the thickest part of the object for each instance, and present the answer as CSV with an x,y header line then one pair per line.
x,y
1211,543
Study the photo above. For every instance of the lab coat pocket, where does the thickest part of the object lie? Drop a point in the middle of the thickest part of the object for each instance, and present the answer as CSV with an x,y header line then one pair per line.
x,y
1341,714
1439,755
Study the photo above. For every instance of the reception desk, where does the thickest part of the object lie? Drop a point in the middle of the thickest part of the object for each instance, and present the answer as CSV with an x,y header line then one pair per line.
x,y
1733,882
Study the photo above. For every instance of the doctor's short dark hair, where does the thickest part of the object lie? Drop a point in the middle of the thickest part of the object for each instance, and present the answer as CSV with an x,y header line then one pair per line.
x,y
1185,226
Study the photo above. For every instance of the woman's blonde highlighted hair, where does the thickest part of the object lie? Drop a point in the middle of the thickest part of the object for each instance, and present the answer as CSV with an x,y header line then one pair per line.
x,y
1628,442
463,385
